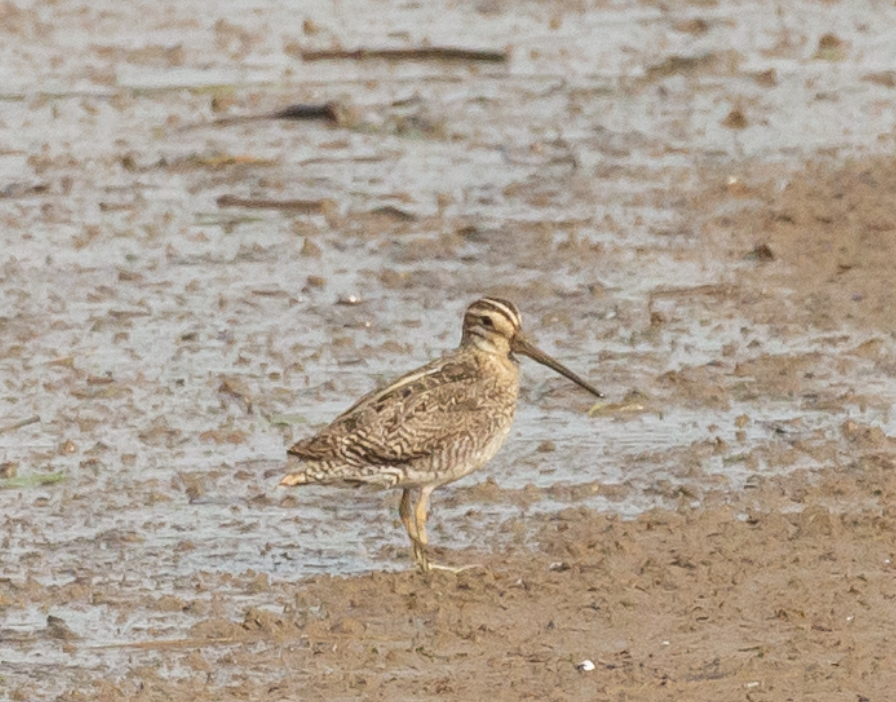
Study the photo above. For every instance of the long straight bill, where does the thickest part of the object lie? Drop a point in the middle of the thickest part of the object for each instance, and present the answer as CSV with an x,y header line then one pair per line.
x,y
520,345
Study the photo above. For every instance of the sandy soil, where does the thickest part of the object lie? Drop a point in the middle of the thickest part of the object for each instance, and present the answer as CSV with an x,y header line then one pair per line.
x,y
739,291
784,591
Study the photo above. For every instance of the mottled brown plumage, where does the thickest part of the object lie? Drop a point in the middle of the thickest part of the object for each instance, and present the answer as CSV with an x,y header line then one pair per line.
x,y
432,426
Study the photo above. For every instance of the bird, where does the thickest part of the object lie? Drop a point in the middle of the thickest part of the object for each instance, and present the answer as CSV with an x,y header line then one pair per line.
x,y
433,425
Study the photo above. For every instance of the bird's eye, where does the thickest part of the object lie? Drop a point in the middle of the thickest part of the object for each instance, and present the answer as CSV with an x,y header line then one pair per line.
x,y
487,322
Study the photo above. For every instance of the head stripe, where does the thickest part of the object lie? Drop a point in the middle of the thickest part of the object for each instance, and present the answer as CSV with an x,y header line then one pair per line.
x,y
503,307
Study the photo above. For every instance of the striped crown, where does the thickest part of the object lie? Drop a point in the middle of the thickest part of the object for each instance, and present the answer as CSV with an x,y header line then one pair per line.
x,y
493,313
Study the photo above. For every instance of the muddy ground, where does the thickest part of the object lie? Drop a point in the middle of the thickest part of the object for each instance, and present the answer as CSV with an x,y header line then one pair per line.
x,y
692,204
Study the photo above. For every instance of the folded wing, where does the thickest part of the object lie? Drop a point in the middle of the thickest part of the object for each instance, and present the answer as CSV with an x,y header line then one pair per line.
x,y
440,404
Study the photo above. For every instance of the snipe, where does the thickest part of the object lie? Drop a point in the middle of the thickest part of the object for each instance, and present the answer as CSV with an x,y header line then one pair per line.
x,y
432,426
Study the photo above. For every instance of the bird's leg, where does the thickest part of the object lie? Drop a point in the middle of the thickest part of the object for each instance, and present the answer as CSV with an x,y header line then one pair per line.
x,y
420,525
420,514
414,520
409,520
404,509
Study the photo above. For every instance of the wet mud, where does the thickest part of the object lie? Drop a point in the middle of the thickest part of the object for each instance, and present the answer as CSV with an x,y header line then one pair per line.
x,y
221,225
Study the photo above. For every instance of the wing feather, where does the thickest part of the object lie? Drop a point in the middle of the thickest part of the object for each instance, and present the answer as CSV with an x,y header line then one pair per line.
x,y
411,418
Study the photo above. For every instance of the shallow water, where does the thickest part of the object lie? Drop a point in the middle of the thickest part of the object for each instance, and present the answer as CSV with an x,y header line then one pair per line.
x,y
560,179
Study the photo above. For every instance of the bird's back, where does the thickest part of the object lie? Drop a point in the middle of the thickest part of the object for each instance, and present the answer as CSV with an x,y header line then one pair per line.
x,y
431,426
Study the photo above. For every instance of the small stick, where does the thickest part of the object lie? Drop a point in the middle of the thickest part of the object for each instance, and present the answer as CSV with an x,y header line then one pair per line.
x,y
175,643
18,425
262,203
329,111
710,289
432,53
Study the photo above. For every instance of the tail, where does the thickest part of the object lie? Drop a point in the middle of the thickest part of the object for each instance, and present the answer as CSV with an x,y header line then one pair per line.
x,y
293,479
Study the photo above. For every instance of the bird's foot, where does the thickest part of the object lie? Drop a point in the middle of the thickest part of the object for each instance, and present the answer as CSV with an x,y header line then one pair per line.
x,y
420,551
453,569
424,565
